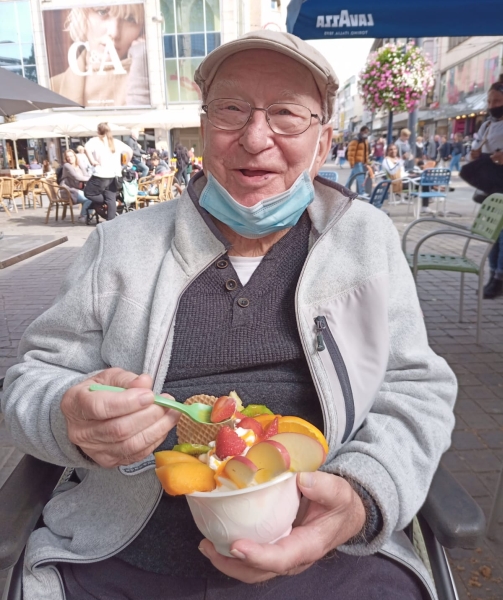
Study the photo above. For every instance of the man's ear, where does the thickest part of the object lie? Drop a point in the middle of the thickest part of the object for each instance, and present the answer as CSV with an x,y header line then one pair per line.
x,y
324,146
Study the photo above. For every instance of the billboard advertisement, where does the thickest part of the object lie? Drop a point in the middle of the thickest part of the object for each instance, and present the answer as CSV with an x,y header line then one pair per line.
x,y
97,54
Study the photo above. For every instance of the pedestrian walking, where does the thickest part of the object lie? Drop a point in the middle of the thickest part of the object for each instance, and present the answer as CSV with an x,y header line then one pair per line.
x,y
456,153
358,154
444,152
420,149
104,153
182,162
379,149
404,149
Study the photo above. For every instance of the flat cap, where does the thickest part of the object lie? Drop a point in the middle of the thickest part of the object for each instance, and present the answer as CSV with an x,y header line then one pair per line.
x,y
284,43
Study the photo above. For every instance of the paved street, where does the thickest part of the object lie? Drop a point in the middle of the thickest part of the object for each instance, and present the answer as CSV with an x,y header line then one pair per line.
x,y
476,454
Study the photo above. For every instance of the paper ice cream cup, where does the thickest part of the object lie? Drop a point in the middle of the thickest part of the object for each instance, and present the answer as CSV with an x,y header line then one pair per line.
x,y
262,513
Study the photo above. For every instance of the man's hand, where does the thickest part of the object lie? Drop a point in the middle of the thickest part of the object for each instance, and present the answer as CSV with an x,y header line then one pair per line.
x,y
330,514
497,157
116,428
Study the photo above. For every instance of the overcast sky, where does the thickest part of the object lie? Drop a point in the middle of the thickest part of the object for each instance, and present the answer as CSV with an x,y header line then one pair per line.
x,y
346,56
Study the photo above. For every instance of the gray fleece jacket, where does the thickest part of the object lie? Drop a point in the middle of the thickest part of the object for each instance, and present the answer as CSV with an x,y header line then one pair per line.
x,y
387,399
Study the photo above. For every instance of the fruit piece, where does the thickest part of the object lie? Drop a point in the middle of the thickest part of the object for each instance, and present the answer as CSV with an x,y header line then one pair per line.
x,y
255,426
239,402
186,477
306,453
252,410
298,425
271,429
193,449
228,443
169,457
223,409
271,458
264,420
241,471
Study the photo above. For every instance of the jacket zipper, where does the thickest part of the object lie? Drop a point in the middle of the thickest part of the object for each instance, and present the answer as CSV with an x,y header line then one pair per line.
x,y
403,562
303,341
325,341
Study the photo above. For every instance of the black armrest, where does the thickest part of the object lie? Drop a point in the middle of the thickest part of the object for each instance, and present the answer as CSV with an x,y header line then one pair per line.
x,y
455,519
22,499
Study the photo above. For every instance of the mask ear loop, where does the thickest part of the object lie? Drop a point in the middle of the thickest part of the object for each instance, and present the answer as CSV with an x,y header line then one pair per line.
x,y
315,150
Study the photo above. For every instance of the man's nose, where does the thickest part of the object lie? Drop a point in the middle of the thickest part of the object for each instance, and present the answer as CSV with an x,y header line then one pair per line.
x,y
257,135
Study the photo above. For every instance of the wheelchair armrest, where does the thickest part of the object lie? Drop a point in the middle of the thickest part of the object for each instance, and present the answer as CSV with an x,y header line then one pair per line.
x,y
456,520
22,499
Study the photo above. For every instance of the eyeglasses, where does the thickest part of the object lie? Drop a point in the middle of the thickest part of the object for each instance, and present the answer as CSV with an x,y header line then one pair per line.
x,y
284,118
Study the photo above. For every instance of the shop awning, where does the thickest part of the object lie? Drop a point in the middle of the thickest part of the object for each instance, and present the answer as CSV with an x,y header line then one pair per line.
x,y
326,19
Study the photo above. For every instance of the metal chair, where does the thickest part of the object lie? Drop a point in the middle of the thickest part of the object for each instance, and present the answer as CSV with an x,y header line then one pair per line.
x,y
486,228
430,178
449,518
379,194
330,175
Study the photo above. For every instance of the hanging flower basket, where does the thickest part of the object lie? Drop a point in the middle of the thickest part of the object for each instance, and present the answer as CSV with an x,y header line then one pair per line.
x,y
395,78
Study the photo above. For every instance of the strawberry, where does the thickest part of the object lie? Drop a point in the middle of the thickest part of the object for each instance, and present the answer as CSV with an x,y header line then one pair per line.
x,y
255,426
272,429
228,443
223,409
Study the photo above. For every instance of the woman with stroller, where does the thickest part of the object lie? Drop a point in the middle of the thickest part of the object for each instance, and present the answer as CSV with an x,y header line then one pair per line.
x,y
104,153
73,178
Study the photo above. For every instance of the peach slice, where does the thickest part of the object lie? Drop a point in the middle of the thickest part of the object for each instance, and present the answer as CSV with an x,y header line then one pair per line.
x,y
306,453
169,457
271,458
241,471
186,477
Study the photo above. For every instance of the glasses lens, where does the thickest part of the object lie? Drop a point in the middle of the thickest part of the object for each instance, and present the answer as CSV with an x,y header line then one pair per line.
x,y
289,119
228,113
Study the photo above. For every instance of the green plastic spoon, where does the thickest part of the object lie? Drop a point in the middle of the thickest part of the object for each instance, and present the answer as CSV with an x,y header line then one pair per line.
x,y
200,413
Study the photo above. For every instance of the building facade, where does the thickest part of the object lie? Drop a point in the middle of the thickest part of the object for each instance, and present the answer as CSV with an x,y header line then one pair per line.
x,y
130,62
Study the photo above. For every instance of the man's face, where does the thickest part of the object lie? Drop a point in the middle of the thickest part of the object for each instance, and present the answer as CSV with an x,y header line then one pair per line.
x,y
405,136
437,138
102,26
254,163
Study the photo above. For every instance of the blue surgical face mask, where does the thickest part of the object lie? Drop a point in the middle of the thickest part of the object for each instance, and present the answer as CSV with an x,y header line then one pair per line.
x,y
267,216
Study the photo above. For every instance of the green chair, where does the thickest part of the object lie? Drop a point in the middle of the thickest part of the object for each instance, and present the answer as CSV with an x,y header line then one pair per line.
x,y
486,228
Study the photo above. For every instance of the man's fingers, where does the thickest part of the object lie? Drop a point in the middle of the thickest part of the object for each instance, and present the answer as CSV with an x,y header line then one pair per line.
x,y
149,437
124,379
100,406
122,428
330,491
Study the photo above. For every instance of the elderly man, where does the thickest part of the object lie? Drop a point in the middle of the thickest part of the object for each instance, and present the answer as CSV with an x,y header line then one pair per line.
x,y
261,278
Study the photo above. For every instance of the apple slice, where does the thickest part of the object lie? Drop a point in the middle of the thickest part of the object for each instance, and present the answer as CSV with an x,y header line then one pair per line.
x,y
241,471
270,458
306,453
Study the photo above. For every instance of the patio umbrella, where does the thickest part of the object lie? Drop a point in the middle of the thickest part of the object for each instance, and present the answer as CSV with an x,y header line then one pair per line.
x,y
18,95
332,19
64,124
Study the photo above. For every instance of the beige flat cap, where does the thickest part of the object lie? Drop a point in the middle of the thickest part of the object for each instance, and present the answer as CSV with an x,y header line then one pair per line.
x,y
285,43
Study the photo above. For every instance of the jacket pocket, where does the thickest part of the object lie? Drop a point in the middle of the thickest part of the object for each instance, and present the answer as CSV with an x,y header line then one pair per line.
x,y
325,341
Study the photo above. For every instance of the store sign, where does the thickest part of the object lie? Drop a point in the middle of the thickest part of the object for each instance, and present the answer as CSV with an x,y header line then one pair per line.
x,y
97,54
325,19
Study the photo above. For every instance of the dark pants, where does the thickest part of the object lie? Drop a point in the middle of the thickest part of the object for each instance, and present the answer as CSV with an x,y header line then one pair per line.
x,y
102,191
182,174
341,577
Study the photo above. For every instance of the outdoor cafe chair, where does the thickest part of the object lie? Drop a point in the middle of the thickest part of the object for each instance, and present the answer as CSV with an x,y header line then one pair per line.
x,y
330,175
378,195
31,186
11,190
58,196
449,518
486,228
2,201
164,185
429,179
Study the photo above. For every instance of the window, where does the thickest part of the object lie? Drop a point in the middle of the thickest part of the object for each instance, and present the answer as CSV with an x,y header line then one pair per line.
x,y
16,39
455,41
191,31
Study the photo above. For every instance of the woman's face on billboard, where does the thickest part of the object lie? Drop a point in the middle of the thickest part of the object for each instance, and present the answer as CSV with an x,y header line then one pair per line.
x,y
102,26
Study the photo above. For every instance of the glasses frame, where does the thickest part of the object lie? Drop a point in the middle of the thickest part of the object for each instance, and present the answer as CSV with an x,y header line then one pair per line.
x,y
205,107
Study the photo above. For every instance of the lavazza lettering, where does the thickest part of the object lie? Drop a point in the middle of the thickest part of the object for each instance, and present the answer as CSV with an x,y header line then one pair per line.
x,y
345,20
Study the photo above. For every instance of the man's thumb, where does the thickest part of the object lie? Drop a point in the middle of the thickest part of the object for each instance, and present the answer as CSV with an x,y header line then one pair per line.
x,y
322,488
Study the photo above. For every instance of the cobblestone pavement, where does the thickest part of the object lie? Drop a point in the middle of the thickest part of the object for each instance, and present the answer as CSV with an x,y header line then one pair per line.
x,y
476,454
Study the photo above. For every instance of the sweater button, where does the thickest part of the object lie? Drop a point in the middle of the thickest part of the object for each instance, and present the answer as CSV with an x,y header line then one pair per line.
x,y
231,284
243,302
222,264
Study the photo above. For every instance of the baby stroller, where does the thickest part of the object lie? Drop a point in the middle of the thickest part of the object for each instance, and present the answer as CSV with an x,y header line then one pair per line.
x,y
129,190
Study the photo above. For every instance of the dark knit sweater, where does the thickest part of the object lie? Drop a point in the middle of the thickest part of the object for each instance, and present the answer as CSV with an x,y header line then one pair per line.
x,y
222,343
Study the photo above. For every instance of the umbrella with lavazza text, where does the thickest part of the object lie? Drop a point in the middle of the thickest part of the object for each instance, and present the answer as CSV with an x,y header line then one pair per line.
x,y
19,95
